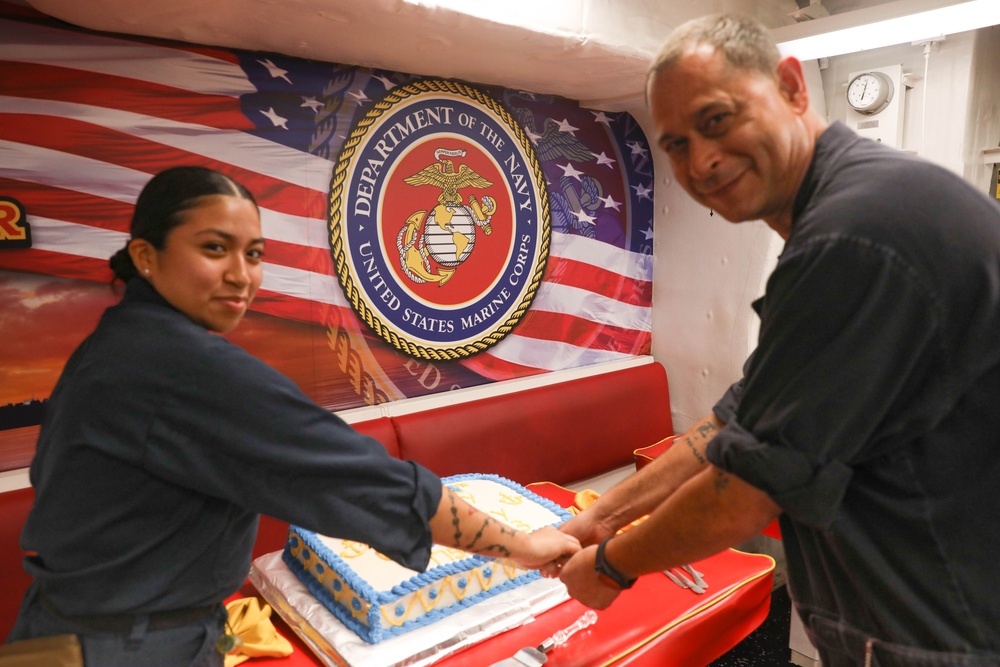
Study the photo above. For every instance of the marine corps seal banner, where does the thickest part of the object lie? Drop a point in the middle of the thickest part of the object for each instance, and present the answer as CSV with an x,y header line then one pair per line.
x,y
439,220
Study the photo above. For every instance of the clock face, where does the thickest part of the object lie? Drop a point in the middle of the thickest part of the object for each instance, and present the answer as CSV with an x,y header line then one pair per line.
x,y
869,93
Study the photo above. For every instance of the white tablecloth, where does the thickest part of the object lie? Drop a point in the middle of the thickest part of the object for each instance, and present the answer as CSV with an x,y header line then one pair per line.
x,y
337,645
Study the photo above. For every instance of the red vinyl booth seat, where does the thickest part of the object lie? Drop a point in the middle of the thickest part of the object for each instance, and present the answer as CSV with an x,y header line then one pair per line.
x,y
14,508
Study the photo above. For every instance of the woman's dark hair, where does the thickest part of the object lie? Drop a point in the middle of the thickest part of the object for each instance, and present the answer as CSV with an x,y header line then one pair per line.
x,y
161,206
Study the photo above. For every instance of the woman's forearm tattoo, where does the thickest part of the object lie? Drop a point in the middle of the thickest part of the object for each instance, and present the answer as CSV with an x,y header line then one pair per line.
x,y
454,517
471,546
498,548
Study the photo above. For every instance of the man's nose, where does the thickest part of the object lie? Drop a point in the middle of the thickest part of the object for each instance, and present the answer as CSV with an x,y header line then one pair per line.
x,y
703,157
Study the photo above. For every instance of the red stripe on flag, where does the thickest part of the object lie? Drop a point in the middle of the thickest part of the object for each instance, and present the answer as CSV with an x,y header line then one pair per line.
x,y
580,332
497,369
569,272
68,205
296,256
93,141
33,260
85,139
300,310
49,82
77,207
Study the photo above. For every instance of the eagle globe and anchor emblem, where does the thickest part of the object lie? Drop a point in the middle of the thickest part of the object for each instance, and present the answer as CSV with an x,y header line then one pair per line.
x,y
398,253
448,233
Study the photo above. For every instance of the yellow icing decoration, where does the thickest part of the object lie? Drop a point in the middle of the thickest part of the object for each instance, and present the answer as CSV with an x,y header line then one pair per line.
x,y
353,549
502,513
511,499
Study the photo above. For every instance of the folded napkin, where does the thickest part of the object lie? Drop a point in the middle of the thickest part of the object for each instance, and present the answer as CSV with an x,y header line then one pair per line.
x,y
252,624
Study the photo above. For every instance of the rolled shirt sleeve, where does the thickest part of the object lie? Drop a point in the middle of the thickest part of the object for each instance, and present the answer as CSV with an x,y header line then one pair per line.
x,y
848,334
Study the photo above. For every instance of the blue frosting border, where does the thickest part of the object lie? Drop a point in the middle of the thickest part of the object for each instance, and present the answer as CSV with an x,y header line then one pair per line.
x,y
374,632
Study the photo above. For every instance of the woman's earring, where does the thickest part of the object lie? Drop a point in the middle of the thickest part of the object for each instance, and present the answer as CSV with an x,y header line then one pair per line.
x,y
146,271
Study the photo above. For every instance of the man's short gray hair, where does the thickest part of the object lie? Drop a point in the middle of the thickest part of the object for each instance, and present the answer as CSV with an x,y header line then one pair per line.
x,y
744,41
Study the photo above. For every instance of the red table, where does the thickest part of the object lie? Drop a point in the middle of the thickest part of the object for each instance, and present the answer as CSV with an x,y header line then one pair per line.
x,y
655,623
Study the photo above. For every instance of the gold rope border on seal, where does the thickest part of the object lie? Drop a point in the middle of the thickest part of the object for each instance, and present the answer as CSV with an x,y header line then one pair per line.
x,y
339,256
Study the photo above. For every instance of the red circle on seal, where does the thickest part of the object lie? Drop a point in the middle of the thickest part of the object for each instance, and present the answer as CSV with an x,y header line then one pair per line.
x,y
408,210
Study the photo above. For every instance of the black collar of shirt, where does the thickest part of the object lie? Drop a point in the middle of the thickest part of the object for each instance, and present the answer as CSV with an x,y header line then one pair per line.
x,y
139,290
834,138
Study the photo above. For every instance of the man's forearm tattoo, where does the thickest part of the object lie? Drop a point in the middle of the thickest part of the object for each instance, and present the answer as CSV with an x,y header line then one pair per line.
x,y
694,450
705,431
721,480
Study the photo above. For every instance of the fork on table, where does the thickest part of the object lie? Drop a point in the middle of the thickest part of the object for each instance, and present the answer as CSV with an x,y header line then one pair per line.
x,y
696,582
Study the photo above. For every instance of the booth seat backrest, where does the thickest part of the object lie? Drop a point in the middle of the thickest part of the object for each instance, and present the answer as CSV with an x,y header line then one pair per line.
x,y
14,508
560,433
383,430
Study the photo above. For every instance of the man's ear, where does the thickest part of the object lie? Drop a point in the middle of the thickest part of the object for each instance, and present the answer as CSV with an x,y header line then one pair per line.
x,y
142,253
792,83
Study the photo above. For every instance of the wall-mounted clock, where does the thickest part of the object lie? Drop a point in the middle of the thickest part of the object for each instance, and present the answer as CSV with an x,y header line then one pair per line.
x,y
869,92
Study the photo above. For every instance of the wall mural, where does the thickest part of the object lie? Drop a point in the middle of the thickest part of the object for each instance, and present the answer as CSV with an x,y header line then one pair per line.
x,y
422,234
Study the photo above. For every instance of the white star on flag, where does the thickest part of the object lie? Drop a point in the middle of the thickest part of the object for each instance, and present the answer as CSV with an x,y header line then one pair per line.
x,y
312,103
275,71
386,81
275,118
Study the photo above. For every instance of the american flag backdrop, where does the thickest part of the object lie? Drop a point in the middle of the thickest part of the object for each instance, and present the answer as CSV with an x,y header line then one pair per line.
x,y
86,118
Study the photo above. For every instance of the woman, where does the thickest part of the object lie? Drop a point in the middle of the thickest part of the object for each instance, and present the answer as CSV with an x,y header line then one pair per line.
x,y
163,442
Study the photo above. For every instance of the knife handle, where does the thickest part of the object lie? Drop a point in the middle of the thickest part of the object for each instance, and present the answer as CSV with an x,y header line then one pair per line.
x,y
560,637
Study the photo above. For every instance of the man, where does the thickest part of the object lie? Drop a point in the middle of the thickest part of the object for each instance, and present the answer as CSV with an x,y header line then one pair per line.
x,y
867,418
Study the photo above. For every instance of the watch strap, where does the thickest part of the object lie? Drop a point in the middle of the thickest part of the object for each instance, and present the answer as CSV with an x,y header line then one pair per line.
x,y
605,568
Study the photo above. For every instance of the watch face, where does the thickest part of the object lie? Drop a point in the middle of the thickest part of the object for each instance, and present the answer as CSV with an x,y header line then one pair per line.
x,y
869,92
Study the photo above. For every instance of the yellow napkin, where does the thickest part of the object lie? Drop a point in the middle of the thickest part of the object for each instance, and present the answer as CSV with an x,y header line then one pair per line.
x,y
252,624
584,499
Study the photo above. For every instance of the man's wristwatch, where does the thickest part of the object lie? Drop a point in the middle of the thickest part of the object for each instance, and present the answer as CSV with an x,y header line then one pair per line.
x,y
609,574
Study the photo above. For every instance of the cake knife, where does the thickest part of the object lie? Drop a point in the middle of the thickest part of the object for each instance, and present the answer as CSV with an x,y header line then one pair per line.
x,y
535,657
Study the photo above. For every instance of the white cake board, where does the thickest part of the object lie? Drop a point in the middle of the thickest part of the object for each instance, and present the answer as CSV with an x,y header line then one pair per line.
x,y
338,646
